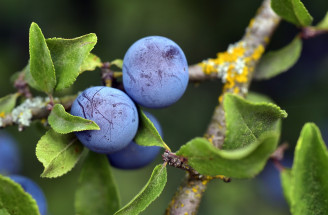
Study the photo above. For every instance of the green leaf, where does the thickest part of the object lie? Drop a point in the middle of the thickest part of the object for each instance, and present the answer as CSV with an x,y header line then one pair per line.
x,y
310,173
7,103
68,56
58,153
90,63
292,11
118,63
286,182
29,79
147,134
96,192
41,66
258,97
276,62
148,194
323,24
247,121
4,212
64,123
238,163
14,200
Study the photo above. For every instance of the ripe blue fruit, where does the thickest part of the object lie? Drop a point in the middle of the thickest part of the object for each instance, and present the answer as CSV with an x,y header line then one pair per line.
x,y
34,190
155,72
135,156
9,154
113,111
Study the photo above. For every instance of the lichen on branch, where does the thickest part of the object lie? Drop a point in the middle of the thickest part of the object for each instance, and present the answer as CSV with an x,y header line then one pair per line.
x,y
235,67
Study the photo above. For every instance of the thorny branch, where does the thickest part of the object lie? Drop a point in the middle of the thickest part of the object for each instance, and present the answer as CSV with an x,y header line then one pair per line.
x,y
257,35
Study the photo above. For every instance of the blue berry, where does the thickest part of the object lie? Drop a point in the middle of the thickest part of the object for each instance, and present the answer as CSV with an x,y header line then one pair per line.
x,y
34,190
135,156
9,155
113,111
155,72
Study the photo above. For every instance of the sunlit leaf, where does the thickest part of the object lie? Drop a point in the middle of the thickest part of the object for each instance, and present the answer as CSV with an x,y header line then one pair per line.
x,y
64,123
58,153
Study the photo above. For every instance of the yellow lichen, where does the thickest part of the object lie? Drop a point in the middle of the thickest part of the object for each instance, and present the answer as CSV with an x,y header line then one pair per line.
x,y
204,182
210,139
251,23
195,190
182,205
2,114
233,67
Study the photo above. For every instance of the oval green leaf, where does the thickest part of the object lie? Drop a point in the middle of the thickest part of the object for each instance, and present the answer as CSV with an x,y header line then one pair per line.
x,y
310,173
64,123
90,63
68,56
148,194
292,11
58,153
258,97
96,191
323,24
147,134
29,79
286,183
14,200
7,103
118,63
238,163
276,62
41,66
247,121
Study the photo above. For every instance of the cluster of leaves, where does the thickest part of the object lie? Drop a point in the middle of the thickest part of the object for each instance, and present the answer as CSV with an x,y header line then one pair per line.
x,y
54,65
276,62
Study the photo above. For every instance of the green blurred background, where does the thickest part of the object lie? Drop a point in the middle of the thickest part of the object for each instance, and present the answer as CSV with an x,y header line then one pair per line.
x,y
201,28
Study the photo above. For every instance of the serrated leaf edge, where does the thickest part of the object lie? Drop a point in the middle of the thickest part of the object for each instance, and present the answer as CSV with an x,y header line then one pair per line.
x,y
20,188
76,117
72,39
48,168
145,187
48,52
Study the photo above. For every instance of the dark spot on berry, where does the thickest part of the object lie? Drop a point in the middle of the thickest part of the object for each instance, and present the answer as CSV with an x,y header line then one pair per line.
x,y
171,52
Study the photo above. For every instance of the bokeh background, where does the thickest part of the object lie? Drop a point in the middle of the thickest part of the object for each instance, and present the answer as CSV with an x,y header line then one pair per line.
x,y
201,28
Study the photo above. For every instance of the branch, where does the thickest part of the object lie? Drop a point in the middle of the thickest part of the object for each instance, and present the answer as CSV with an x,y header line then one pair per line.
x,y
235,67
32,109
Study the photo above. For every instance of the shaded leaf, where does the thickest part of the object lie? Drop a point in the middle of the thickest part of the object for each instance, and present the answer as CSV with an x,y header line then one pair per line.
x,y
247,121
41,66
147,134
8,102
148,194
96,192
292,11
63,122
286,183
14,200
276,62
258,97
90,63
238,163
29,79
118,63
310,173
68,55
58,153
323,24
